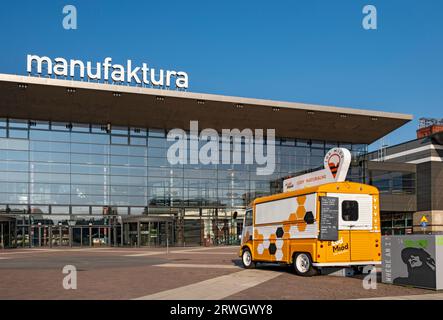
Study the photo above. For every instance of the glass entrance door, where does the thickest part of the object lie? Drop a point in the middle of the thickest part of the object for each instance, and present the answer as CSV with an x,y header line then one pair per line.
x,y
22,236
192,227
77,237
62,235
40,235
44,230
96,237
149,233
104,236
7,234
154,233
56,236
130,234
145,234
165,233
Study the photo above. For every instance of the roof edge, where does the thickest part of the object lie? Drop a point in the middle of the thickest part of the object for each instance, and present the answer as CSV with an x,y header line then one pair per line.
x,y
199,96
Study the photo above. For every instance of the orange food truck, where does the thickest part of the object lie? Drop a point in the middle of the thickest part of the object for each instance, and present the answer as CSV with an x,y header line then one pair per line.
x,y
319,221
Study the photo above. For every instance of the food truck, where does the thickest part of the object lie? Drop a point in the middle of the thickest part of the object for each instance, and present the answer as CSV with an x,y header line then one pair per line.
x,y
319,221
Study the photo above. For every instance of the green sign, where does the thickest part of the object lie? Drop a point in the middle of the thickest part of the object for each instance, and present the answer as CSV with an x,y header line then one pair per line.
x,y
416,243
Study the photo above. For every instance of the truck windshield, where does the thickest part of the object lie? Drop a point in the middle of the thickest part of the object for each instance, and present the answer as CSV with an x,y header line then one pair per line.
x,y
248,218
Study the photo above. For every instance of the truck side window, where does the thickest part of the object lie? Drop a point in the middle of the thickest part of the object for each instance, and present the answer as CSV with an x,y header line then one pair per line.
x,y
349,210
248,218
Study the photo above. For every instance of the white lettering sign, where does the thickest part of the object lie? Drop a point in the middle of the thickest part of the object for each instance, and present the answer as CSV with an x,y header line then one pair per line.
x,y
107,71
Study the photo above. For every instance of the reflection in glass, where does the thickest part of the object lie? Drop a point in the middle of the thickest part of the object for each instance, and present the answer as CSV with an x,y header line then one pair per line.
x,y
74,170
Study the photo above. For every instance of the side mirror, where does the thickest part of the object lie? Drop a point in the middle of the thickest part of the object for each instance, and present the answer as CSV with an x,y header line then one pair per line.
x,y
309,217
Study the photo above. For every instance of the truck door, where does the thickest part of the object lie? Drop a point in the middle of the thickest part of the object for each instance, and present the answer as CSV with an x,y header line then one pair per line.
x,y
247,232
355,220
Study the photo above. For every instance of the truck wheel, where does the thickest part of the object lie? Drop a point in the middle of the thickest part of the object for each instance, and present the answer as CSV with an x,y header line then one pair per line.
x,y
246,259
303,265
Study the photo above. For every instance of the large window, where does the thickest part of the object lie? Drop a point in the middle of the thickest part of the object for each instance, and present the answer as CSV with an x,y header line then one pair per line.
x,y
393,182
395,223
60,164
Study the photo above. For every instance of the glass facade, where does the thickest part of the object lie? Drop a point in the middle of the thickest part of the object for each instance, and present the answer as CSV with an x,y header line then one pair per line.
x,y
393,182
86,176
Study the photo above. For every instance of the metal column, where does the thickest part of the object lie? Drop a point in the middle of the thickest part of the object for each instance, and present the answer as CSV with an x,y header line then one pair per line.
x,y
1,236
50,236
122,234
138,234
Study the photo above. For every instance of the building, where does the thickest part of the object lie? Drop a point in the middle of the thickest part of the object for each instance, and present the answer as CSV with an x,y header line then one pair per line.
x,y
410,179
85,163
428,127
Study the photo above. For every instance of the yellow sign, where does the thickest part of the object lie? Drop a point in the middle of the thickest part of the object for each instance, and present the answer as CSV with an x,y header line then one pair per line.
x,y
423,219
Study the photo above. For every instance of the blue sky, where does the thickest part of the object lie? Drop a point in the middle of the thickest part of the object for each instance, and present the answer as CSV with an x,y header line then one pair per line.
x,y
308,51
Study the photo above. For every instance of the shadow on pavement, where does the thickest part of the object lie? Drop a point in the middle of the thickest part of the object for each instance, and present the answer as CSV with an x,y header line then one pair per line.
x,y
265,266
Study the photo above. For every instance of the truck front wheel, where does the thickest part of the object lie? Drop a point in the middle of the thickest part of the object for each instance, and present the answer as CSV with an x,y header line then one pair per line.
x,y
303,265
246,259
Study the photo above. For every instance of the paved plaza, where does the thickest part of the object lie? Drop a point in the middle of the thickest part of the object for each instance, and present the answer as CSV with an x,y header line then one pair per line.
x,y
179,273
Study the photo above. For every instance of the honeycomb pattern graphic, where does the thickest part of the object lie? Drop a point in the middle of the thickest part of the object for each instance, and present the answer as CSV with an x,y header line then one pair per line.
x,y
279,233
272,248
299,214
271,239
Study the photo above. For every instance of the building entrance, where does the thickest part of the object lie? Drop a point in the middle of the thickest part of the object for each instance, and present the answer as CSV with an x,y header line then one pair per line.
x,y
158,228
7,233
208,227
70,236
148,231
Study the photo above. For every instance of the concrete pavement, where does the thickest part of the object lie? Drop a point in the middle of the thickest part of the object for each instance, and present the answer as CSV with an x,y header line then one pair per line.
x,y
180,273
216,288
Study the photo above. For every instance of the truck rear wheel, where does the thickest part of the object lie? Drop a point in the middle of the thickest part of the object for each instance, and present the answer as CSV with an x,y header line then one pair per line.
x,y
246,259
303,265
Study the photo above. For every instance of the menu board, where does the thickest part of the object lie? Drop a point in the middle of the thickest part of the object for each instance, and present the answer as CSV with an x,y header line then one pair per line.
x,y
328,219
